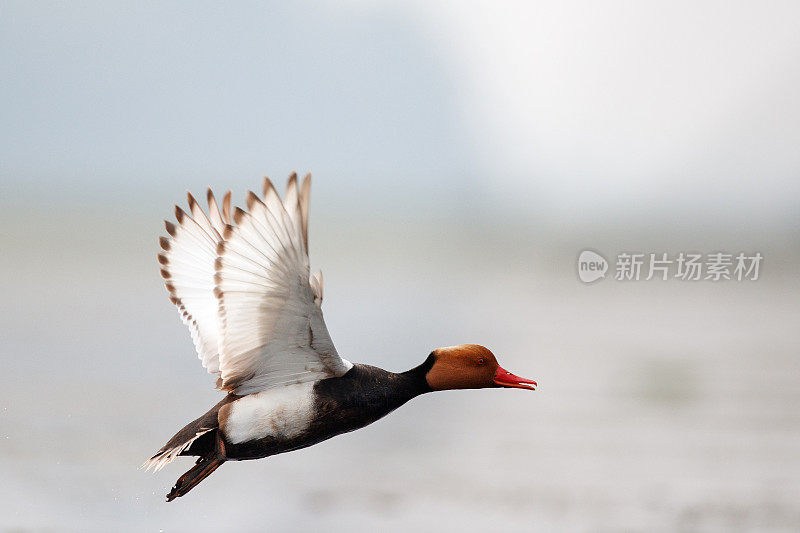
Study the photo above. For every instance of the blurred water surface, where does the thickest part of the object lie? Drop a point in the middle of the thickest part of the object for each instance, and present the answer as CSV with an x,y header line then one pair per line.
x,y
661,406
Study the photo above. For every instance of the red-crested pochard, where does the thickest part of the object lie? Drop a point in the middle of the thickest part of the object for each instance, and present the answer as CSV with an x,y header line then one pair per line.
x,y
241,283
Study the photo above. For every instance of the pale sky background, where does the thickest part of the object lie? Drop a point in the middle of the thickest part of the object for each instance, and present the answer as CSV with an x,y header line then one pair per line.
x,y
567,111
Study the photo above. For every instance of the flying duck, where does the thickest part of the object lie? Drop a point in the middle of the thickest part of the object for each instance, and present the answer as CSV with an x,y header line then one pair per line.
x,y
240,280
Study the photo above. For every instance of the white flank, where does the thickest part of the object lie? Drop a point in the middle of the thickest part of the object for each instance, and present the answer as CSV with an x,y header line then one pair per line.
x,y
282,412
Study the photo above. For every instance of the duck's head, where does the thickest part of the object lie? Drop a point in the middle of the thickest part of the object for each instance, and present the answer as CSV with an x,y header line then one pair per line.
x,y
470,366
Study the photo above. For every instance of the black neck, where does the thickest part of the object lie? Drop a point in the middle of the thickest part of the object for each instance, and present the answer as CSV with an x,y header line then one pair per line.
x,y
415,378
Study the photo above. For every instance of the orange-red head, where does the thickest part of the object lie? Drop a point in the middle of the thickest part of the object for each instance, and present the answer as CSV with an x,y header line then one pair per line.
x,y
470,366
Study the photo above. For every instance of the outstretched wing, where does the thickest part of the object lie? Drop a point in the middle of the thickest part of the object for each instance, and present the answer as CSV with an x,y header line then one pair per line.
x,y
187,266
265,326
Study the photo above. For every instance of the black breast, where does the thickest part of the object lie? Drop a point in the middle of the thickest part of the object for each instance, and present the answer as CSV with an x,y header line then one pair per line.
x,y
358,398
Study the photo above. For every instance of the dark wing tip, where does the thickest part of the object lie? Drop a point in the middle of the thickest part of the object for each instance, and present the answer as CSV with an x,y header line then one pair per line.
x,y
226,207
267,187
291,182
238,215
191,200
251,200
170,228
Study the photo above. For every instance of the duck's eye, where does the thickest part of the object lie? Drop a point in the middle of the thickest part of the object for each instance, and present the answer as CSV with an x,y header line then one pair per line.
x,y
481,361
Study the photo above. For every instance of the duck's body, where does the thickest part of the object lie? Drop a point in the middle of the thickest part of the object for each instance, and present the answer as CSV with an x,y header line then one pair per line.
x,y
259,426
301,415
263,334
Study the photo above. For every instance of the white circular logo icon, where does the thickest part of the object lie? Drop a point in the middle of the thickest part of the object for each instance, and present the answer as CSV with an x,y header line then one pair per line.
x,y
591,266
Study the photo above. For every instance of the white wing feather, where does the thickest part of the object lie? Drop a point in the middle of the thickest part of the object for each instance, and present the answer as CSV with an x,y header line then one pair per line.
x,y
187,266
245,291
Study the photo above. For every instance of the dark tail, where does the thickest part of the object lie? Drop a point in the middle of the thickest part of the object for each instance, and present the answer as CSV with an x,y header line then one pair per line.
x,y
200,438
201,470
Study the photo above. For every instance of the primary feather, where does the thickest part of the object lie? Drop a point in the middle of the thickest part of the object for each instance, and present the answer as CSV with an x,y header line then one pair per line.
x,y
243,288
